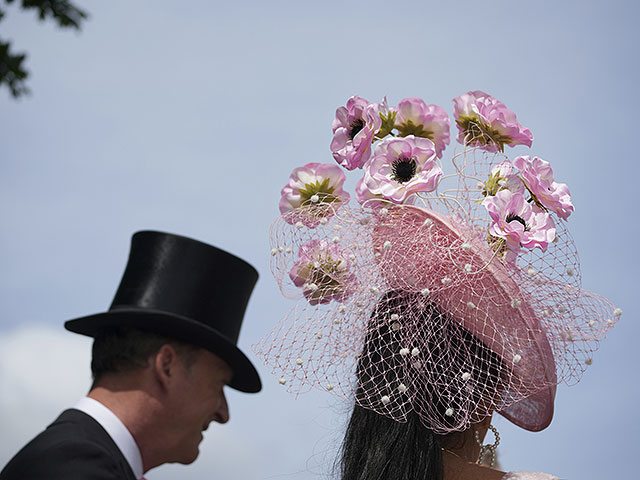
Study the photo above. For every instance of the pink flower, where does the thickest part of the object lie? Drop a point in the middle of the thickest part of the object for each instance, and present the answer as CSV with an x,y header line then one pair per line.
x,y
518,222
538,177
415,117
382,108
387,116
365,197
368,199
503,176
400,168
353,129
314,191
487,123
323,272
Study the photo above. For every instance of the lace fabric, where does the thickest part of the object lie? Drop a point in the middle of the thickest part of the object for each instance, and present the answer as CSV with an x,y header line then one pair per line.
x,y
405,308
390,298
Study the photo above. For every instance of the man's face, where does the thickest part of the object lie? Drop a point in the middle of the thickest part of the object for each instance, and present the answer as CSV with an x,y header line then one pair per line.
x,y
198,400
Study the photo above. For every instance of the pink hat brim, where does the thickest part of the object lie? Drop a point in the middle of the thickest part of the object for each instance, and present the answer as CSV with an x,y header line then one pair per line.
x,y
486,301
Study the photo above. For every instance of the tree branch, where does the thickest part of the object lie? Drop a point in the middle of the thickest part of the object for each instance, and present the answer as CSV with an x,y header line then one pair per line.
x,y
12,72
62,11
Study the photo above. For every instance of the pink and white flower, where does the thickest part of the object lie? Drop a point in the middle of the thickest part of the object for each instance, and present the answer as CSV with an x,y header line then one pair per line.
x,y
487,123
382,108
503,176
400,168
365,197
518,222
538,177
323,272
354,127
368,199
314,191
415,117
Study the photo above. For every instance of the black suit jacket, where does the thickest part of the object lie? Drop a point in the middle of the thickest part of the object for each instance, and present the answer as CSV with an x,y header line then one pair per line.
x,y
74,447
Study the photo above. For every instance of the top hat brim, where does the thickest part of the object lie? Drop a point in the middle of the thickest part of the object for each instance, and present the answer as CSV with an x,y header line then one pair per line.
x,y
245,377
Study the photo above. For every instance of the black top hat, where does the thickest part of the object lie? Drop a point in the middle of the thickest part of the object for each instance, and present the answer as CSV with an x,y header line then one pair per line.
x,y
187,290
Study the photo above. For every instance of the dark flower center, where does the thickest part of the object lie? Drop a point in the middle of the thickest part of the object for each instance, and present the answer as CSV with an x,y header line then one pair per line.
x,y
511,217
404,169
355,128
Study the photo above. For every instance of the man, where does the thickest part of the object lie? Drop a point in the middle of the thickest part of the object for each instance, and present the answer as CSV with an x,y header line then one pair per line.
x,y
161,357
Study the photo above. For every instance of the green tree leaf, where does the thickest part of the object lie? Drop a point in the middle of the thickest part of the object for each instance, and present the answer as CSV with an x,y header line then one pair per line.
x,y
12,71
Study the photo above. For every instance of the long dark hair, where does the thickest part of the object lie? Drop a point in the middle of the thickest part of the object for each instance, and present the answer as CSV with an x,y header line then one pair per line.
x,y
377,447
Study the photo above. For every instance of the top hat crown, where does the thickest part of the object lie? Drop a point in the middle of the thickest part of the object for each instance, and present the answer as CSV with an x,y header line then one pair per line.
x,y
187,290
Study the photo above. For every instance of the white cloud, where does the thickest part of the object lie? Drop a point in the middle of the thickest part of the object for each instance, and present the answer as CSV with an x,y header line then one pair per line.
x,y
43,370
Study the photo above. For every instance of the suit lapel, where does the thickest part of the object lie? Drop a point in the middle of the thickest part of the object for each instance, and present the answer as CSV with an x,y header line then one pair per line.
x,y
98,434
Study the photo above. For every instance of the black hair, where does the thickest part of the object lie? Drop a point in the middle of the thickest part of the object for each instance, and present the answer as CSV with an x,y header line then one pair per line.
x,y
122,350
381,448
377,447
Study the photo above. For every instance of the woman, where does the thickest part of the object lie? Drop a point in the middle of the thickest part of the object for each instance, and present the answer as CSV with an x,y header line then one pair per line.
x,y
377,447
457,336
433,317
433,405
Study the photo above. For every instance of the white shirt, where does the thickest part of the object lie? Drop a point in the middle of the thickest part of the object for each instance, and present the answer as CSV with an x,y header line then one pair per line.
x,y
117,430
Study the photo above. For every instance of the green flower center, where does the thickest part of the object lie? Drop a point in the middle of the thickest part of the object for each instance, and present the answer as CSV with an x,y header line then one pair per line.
x,y
322,189
325,274
404,169
492,186
410,128
477,132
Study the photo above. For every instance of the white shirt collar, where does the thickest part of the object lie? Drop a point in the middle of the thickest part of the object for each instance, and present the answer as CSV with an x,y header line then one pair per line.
x,y
116,430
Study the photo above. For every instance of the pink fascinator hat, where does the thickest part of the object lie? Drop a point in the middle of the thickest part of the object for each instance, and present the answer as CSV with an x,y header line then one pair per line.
x,y
445,296
443,261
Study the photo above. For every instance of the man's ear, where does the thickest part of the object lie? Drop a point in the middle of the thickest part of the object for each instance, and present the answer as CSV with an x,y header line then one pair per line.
x,y
165,364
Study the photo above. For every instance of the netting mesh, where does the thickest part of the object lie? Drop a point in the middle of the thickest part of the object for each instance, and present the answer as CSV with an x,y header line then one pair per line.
x,y
402,308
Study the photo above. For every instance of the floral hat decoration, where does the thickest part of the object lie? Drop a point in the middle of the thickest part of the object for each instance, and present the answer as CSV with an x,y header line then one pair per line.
x,y
448,295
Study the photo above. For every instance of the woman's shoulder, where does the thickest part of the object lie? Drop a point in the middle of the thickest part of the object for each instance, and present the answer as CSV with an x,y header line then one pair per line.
x,y
528,476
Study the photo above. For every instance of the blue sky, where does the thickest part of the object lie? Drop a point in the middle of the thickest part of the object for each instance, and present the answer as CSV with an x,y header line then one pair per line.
x,y
189,116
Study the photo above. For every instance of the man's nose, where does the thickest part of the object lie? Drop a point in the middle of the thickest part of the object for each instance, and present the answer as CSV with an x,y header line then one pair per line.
x,y
221,415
